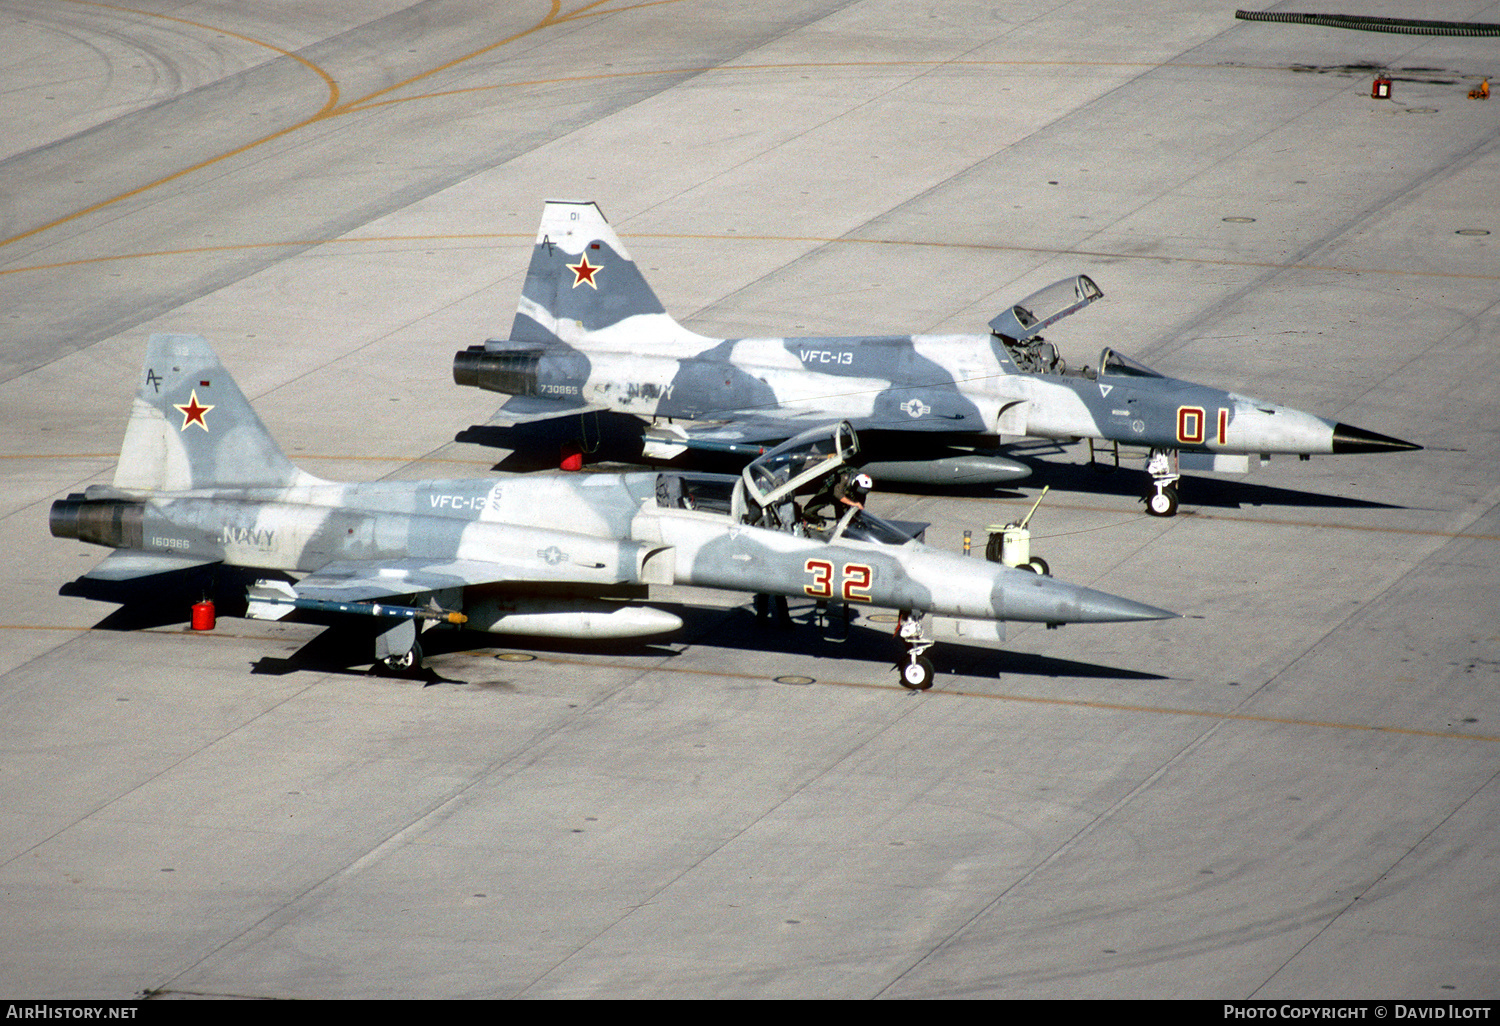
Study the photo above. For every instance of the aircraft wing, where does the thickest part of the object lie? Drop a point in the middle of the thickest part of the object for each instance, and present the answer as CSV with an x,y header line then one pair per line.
x,y
527,409
363,581
752,432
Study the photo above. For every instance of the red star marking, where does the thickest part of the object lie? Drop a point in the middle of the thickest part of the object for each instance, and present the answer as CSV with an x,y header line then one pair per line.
x,y
583,271
193,411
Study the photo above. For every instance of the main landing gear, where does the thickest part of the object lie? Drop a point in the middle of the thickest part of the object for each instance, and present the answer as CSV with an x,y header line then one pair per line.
x,y
406,664
397,650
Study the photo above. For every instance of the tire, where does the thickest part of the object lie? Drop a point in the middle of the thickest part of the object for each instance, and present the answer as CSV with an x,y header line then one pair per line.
x,y
407,664
1162,503
1039,565
917,675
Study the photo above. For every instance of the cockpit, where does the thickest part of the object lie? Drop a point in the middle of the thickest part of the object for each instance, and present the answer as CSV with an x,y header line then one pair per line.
x,y
780,491
862,525
799,464
1118,365
1019,328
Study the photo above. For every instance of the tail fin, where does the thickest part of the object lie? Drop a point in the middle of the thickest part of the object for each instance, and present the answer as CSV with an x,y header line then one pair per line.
x,y
581,278
191,427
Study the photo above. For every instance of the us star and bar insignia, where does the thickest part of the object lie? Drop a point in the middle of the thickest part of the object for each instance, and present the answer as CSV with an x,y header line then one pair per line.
x,y
583,271
193,411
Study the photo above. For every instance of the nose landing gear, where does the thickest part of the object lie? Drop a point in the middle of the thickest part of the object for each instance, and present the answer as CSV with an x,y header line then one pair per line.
x,y
916,669
1161,496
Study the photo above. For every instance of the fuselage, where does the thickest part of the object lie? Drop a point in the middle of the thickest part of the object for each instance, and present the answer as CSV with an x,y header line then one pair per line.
x,y
600,528
960,384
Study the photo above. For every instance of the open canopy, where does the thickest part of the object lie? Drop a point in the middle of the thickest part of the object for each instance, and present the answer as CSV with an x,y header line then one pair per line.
x,y
799,463
1033,314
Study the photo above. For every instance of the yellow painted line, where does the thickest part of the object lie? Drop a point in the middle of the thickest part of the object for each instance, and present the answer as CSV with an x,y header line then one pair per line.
x,y
239,246
331,107
738,237
328,107
555,16
62,456
725,69
333,87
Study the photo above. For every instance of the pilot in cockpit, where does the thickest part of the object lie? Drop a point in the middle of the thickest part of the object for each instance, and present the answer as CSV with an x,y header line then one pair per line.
x,y
846,488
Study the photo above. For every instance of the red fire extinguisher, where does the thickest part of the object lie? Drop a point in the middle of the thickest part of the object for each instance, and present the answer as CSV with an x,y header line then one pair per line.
x,y
203,615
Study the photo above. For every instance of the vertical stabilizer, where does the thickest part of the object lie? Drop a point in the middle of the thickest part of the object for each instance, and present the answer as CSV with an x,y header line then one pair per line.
x,y
581,279
191,427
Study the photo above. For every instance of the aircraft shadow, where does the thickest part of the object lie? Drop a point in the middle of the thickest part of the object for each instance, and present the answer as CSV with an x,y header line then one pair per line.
x,y
161,600
605,438
617,439
1218,493
346,645
738,629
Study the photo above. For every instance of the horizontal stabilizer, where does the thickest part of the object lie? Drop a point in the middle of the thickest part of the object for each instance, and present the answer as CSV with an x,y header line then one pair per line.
x,y
529,409
123,565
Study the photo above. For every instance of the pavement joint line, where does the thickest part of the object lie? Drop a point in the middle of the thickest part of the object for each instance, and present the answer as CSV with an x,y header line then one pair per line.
x,y
1076,703
1079,703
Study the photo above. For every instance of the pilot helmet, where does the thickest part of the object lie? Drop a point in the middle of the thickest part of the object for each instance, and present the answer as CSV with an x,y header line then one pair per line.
x,y
862,483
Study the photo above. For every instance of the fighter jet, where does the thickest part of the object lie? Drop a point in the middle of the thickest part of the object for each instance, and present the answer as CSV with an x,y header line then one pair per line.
x,y
589,334
200,482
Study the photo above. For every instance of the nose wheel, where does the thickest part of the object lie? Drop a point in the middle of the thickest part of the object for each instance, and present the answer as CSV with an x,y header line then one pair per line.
x,y
1161,496
1161,501
916,669
917,674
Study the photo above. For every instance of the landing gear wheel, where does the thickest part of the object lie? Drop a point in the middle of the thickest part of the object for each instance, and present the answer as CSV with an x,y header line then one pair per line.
x,y
917,675
1038,565
1162,503
407,664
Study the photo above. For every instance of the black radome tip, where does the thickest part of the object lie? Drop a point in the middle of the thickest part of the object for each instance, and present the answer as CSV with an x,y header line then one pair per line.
x,y
1350,439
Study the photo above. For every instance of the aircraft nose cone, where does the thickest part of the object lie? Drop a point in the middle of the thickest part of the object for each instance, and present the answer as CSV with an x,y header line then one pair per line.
x,y
1102,607
1048,600
1350,439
